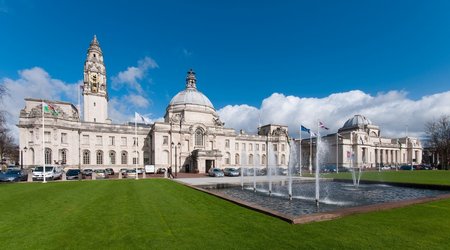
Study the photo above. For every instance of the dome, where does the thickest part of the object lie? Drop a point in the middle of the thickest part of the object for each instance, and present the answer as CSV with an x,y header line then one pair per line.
x,y
357,120
191,96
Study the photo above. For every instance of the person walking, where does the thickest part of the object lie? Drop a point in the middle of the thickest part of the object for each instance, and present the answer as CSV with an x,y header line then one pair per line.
x,y
169,172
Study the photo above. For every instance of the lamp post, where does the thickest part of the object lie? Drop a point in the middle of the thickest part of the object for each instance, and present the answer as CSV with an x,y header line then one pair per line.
x,y
176,159
171,154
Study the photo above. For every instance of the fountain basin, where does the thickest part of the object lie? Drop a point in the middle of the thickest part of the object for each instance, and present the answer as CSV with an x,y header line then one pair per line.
x,y
338,198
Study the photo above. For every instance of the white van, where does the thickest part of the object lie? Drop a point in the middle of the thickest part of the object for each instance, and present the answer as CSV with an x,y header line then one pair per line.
x,y
51,173
149,169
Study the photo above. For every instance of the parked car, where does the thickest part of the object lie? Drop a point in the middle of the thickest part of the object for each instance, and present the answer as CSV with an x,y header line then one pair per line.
x,y
405,167
282,171
215,172
140,170
73,174
149,169
87,171
161,171
100,174
13,175
109,171
51,173
131,173
231,172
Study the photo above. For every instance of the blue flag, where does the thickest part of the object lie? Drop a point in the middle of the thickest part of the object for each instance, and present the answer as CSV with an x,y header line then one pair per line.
x,y
305,129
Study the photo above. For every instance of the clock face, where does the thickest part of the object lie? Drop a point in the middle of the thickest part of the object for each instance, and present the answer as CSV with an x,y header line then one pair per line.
x,y
94,78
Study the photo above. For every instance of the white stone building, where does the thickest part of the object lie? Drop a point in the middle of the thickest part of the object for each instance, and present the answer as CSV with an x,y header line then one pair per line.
x,y
362,140
191,139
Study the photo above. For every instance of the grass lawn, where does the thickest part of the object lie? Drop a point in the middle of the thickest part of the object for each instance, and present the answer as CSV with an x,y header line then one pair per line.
x,y
162,214
405,176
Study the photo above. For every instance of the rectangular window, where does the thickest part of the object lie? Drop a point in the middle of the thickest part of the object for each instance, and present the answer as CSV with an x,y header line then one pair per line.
x,y
282,147
123,141
165,140
47,136
63,138
236,146
250,147
257,147
227,143
243,146
98,140
86,139
135,141
275,147
31,137
263,147
111,141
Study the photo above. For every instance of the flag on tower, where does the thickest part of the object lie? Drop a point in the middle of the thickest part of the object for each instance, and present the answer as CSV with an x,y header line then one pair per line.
x,y
322,125
140,119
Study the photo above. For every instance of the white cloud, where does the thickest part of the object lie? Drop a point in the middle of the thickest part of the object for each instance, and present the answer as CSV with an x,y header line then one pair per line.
x,y
137,100
133,74
33,83
392,111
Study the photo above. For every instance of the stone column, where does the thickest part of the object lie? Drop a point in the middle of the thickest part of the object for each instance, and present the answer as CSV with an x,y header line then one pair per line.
x,y
94,175
30,175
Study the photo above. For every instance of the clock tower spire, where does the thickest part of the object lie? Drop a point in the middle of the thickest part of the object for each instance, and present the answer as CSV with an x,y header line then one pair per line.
x,y
95,95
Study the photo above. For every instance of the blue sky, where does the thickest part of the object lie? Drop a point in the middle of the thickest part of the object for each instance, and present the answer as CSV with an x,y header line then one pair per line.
x,y
242,52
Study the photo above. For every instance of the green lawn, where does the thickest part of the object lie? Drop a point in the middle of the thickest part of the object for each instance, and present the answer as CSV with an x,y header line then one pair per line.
x,y
161,214
421,176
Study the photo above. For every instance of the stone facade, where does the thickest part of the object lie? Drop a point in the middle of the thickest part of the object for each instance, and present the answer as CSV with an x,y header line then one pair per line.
x,y
361,139
192,138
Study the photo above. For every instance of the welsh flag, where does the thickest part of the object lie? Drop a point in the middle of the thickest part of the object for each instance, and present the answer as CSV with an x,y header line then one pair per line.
x,y
49,108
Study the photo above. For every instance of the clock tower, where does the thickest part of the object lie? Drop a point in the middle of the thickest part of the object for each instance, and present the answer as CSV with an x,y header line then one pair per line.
x,y
95,95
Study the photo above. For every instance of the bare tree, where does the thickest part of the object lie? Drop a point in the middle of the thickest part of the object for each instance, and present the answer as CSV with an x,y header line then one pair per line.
x,y
8,148
438,132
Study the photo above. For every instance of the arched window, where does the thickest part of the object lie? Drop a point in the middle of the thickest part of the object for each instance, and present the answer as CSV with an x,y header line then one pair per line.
x,y
227,158
199,137
283,159
99,157
64,156
32,156
250,159
263,160
86,157
48,156
236,159
112,157
124,157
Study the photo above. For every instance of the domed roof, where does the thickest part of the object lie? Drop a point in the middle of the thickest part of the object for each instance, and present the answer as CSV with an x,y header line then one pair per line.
x,y
357,120
191,95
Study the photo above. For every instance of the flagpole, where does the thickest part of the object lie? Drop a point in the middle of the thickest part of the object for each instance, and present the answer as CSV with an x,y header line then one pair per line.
x,y
43,143
135,145
317,165
337,153
300,153
310,153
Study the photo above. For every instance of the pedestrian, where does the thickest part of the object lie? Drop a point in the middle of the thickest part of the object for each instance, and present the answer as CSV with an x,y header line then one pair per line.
x,y
169,171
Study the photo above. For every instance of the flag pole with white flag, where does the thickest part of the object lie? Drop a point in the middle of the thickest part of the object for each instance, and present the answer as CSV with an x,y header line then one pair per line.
x,y
135,143
43,141
300,154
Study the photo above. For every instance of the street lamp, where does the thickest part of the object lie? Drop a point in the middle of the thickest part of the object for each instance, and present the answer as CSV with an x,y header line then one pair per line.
x,y
176,159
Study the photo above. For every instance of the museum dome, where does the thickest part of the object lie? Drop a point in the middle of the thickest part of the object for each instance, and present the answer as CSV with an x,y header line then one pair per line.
x,y
191,95
356,121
